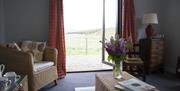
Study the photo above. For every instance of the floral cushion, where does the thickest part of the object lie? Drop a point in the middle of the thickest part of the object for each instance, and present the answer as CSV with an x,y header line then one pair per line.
x,y
36,48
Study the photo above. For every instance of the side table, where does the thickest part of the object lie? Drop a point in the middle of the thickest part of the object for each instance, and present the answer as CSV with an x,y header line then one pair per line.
x,y
106,82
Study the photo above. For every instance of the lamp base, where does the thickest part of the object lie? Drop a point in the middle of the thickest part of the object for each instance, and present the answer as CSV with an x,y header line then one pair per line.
x,y
149,31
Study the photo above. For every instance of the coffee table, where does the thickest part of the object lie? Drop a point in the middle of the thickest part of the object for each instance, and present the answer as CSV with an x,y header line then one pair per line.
x,y
106,82
20,85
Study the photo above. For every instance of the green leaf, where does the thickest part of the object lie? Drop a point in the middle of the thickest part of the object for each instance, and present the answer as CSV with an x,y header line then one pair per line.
x,y
129,45
109,57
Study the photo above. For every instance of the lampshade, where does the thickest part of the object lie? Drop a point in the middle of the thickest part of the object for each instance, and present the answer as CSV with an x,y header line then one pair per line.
x,y
150,18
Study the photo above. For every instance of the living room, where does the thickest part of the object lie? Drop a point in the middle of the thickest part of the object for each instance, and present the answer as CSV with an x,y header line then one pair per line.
x,y
29,20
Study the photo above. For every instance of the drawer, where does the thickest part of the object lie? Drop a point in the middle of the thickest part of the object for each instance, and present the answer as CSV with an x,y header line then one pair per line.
x,y
157,52
157,47
159,43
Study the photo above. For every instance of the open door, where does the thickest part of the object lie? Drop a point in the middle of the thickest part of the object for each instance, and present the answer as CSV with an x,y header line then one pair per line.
x,y
111,23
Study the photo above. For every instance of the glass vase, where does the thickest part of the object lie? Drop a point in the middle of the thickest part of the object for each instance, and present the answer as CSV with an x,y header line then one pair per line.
x,y
117,69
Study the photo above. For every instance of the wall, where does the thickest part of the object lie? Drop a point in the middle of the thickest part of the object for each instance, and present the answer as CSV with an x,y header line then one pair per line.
x,y
168,16
2,34
146,6
171,28
26,20
29,18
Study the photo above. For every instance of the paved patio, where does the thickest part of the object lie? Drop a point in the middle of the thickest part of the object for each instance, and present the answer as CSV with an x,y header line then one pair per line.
x,y
85,63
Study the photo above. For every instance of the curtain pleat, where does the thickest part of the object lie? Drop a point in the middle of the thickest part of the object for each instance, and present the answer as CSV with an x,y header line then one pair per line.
x,y
56,37
128,20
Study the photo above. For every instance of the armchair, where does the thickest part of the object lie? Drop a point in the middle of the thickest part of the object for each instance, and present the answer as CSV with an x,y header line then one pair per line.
x,y
22,63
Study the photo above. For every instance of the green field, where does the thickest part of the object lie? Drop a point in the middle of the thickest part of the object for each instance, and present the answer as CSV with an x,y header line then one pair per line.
x,y
86,44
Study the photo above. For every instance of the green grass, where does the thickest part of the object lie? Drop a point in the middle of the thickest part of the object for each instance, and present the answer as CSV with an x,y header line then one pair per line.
x,y
76,44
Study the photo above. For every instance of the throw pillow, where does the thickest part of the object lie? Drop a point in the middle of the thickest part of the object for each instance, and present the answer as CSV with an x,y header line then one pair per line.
x,y
36,48
14,46
26,46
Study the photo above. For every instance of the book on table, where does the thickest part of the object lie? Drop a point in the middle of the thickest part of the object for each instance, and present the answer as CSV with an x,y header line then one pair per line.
x,y
135,85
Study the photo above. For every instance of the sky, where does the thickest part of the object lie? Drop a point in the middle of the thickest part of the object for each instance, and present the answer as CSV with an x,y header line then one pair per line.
x,y
83,15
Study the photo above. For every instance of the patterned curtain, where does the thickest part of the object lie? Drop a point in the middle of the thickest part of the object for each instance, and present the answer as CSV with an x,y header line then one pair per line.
x,y
128,20
56,37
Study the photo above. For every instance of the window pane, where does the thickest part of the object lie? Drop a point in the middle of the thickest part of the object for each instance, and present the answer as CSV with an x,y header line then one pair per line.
x,y
110,20
83,27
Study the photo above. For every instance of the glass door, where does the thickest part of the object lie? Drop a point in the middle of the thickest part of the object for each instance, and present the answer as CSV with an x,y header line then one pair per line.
x,y
83,31
111,22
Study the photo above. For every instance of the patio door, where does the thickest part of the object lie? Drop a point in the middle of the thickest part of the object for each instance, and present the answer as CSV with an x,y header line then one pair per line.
x,y
83,33
111,23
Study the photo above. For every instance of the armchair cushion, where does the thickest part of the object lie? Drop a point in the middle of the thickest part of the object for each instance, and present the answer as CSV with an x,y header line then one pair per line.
x,y
36,48
42,65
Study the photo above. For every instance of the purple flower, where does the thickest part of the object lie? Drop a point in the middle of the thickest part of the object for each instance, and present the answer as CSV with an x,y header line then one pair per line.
x,y
116,47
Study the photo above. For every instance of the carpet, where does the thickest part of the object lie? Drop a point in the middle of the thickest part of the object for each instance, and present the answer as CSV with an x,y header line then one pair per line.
x,y
92,88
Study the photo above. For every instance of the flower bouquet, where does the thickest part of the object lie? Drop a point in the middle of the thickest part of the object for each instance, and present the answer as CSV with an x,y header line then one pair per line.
x,y
117,49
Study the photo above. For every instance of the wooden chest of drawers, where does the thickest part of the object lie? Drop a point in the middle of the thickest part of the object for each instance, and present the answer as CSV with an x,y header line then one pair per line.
x,y
152,53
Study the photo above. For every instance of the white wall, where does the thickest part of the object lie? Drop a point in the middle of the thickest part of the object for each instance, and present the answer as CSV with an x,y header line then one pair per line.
x,y
26,20
2,33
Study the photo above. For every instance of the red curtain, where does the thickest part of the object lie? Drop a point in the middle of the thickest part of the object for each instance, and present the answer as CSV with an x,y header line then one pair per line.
x,y
56,37
128,20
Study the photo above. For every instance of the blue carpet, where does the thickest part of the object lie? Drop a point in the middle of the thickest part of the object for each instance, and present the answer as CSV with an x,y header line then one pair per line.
x,y
164,82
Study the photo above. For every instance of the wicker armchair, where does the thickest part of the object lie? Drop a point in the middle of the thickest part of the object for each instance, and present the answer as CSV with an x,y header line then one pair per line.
x,y
22,63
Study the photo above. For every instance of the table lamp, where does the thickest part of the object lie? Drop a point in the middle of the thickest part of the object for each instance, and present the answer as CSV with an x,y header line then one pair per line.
x,y
149,19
